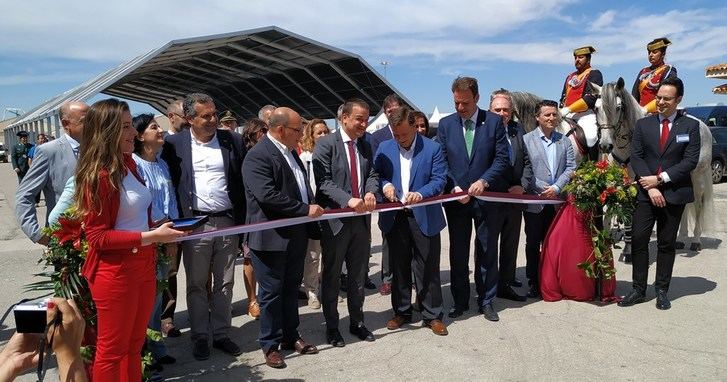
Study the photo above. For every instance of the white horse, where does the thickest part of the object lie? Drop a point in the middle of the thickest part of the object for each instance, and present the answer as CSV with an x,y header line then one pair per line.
x,y
617,112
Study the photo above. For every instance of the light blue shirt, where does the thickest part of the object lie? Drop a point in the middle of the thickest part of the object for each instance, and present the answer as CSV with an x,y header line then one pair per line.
x,y
551,152
159,181
75,146
64,202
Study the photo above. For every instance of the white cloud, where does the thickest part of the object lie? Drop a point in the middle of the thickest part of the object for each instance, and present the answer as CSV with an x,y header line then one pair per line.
x,y
604,20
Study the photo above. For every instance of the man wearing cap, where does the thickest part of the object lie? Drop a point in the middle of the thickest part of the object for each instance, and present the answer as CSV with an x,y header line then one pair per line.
x,y
20,155
578,98
650,77
228,121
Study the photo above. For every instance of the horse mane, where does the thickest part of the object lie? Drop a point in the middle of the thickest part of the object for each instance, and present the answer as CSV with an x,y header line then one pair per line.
x,y
524,107
631,109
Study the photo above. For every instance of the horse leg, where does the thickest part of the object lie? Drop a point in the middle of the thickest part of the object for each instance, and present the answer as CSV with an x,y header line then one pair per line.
x,y
698,218
626,253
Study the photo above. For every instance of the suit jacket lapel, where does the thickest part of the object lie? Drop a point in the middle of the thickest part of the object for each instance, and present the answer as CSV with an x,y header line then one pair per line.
x,y
225,146
559,154
479,132
538,143
342,159
186,148
676,126
277,156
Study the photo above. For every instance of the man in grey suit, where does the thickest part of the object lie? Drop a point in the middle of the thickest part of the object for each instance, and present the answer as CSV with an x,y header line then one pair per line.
x,y
53,163
343,168
553,161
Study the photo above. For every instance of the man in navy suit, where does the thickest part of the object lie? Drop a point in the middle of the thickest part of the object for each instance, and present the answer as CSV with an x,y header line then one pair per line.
x,y
474,144
411,168
664,151
205,164
391,103
277,187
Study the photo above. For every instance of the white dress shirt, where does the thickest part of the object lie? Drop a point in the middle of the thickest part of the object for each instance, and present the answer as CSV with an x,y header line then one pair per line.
x,y
293,164
210,182
346,139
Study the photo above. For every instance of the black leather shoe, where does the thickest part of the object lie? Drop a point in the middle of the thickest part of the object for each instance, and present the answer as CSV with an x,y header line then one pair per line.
x,y
516,283
489,311
369,284
362,333
334,338
508,293
662,300
534,291
201,349
631,299
457,311
227,346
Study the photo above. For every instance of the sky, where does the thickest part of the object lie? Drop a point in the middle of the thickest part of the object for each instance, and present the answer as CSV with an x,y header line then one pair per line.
x,y
48,47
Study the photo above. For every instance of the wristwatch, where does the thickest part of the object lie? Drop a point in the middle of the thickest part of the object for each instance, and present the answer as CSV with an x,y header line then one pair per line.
x,y
659,179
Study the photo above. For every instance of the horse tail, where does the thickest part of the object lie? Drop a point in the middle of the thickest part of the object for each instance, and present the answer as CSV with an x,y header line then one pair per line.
x,y
707,214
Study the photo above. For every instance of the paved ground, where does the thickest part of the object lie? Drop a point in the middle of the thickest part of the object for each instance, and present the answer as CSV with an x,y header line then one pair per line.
x,y
534,340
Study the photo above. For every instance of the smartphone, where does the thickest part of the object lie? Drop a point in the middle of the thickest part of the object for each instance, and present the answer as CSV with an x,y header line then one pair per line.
x,y
188,224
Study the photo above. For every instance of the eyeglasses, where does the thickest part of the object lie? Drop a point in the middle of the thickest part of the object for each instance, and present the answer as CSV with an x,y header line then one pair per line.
x,y
296,130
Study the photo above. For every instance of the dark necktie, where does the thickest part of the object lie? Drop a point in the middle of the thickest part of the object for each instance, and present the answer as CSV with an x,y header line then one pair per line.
x,y
664,134
354,170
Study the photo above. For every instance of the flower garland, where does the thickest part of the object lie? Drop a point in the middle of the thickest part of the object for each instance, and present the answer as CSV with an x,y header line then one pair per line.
x,y
596,187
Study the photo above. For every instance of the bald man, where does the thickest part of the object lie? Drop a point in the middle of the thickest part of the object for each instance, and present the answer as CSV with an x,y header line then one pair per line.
x,y
53,163
276,187
175,113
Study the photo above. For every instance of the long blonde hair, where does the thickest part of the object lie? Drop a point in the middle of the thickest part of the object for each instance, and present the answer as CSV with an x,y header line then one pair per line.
x,y
308,142
102,130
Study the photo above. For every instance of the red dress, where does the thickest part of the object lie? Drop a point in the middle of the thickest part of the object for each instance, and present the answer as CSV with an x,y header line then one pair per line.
x,y
567,244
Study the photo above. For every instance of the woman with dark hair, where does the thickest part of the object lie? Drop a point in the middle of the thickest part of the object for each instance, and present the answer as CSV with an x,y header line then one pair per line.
x,y
252,132
314,130
114,203
155,172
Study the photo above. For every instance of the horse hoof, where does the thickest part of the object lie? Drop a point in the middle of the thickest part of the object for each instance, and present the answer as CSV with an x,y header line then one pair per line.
x,y
679,245
627,250
696,247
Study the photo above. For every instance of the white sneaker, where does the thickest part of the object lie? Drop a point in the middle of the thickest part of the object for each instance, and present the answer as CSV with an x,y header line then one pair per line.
x,y
313,302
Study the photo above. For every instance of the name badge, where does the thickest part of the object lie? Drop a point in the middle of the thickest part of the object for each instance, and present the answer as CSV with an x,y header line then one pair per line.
x,y
681,138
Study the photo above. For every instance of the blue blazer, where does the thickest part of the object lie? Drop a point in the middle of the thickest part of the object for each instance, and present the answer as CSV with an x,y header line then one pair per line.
x,y
489,160
428,177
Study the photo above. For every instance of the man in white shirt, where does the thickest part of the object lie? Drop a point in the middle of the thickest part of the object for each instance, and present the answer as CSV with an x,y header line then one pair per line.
x,y
205,165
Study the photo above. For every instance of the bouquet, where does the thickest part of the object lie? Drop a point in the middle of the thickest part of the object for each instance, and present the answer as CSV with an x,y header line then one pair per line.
x,y
601,189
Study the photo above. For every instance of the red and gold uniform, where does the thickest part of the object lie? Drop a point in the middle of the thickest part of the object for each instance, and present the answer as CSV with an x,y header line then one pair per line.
x,y
578,95
650,77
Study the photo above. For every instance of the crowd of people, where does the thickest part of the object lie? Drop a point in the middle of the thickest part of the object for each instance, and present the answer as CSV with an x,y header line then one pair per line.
x,y
126,178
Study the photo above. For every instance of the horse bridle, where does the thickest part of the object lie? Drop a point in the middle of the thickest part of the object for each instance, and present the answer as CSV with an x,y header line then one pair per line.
x,y
616,129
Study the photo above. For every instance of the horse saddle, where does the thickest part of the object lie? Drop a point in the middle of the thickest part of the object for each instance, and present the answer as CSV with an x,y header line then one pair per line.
x,y
579,137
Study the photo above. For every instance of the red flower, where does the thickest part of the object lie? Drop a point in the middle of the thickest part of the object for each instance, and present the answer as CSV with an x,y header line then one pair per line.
x,y
70,231
610,190
602,164
603,197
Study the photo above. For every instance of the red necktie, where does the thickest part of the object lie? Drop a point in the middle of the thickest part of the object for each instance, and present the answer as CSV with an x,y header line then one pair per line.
x,y
664,134
354,170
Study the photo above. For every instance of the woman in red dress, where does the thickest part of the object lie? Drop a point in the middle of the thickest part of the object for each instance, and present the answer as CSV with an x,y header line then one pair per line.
x,y
567,244
113,202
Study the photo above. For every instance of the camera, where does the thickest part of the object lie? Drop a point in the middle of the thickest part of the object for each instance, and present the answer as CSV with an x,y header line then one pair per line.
x,y
31,316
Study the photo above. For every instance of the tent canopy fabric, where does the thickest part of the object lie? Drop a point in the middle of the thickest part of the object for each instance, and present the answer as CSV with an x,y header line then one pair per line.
x,y
242,71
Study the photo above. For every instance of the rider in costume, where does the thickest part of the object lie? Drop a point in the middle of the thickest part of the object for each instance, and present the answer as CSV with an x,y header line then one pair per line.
x,y
650,77
578,98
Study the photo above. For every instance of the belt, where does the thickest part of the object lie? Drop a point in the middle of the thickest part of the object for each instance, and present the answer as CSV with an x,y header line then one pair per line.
x,y
219,214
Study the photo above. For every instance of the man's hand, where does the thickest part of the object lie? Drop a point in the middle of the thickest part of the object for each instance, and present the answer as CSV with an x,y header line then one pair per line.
x,y
478,187
517,190
44,240
315,211
549,192
390,192
465,199
657,198
17,170
412,198
649,182
357,204
370,201
19,354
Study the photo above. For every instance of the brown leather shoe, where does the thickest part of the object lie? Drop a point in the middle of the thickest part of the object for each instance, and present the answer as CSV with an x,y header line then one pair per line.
x,y
300,346
253,309
397,321
274,359
437,327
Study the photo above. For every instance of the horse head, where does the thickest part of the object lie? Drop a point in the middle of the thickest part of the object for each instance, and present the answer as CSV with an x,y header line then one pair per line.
x,y
610,113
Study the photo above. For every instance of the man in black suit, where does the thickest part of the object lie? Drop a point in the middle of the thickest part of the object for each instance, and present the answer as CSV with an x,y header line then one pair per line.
x,y
506,225
343,168
391,103
474,144
276,187
205,164
664,150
